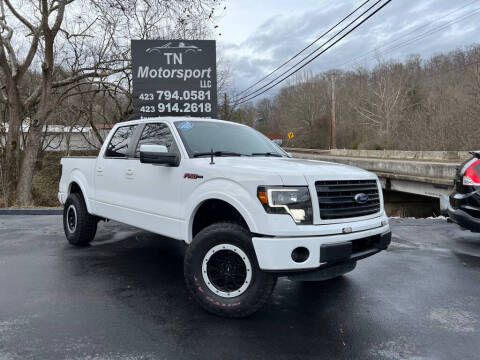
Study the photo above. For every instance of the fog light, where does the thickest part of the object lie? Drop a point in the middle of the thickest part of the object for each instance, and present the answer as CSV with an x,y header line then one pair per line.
x,y
347,230
300,254
384,222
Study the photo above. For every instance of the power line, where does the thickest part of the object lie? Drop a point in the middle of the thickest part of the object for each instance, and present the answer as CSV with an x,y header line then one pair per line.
x,y
309,54
421,36
316,56
430,32
388,50
305,48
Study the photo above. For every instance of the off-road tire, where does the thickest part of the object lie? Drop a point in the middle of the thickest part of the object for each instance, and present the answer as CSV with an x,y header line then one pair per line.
x,y
86,225
261,283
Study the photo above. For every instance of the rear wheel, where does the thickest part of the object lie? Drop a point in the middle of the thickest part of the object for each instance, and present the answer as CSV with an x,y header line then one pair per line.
x,y
80,227
222,273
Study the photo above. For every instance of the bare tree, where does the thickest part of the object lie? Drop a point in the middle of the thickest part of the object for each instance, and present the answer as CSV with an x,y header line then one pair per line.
x,y
75,48
305,104
417,104
384,103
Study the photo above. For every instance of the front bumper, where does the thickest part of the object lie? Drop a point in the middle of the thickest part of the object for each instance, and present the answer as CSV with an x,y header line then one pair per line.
x,y
459,216
275,253
463,219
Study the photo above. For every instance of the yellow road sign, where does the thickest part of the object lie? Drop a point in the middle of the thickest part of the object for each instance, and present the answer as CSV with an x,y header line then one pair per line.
x,y
291,135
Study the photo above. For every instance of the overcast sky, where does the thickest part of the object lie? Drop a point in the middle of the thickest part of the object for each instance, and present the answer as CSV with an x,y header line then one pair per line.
x,y
258,35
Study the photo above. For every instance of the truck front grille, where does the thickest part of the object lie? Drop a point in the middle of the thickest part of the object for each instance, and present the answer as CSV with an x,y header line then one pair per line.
x,y
337,198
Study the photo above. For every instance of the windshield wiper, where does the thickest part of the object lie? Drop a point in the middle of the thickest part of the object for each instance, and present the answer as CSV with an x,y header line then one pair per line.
x,y
267,154
217,153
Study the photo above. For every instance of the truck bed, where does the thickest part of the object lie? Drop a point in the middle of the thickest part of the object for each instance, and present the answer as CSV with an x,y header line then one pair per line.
x,y
81,168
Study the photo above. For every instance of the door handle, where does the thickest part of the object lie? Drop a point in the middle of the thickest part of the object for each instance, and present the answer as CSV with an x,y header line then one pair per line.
x,y
100,170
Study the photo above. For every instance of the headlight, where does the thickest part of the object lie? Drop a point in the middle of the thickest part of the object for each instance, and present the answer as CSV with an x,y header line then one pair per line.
x,y
294,201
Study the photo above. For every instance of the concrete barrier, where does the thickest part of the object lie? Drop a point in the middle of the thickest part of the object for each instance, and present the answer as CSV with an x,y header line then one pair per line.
x,y
441,156
428,173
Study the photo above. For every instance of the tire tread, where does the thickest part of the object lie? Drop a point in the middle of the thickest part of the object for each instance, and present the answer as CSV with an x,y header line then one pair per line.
x,y
247,308
86,223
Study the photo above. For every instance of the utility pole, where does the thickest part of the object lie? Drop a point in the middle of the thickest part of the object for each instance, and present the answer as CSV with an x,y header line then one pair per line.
x,y
332,118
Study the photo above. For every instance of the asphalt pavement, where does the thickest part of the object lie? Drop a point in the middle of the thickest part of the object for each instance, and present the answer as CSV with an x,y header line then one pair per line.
x,y
124,298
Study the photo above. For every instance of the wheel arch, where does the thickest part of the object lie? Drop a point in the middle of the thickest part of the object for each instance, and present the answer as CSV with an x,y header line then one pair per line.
x,y
228,210
76,185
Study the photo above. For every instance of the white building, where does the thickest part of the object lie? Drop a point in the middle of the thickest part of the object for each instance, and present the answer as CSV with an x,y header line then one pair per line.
x,y
66,138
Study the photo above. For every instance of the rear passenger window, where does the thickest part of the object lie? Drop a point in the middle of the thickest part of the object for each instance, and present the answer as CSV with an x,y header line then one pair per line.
x,y
156,134
118,146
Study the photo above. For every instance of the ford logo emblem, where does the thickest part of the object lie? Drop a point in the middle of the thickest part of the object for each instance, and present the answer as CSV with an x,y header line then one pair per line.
x,y
361,198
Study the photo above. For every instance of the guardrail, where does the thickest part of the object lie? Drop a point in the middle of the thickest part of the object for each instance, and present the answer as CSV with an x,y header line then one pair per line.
x,y
428,173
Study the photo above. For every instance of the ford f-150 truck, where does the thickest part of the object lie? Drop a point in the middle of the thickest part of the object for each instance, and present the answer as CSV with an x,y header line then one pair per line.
x,y
247,210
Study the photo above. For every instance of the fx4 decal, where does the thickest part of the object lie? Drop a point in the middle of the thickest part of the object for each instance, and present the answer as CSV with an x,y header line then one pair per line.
x,y
192,176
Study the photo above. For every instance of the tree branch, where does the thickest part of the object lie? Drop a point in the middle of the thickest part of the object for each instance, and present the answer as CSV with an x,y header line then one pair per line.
x,y
93,74
19,17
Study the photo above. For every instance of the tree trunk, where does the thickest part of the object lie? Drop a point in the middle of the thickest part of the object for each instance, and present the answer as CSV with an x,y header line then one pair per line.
x,y
27,169
95,130
13,145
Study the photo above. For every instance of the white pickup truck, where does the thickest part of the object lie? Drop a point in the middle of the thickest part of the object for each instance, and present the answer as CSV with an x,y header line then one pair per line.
x,y
247,210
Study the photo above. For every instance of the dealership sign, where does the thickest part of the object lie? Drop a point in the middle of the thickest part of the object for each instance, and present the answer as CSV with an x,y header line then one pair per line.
x,y
174,78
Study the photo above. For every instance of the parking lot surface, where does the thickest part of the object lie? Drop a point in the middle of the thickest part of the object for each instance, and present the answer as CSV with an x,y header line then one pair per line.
x,y
124,298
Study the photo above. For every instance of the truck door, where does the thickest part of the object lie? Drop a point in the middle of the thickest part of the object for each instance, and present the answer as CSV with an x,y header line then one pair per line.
x,y
110,169
151,192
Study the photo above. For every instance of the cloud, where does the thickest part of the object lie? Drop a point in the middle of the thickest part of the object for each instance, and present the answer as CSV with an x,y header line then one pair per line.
x,y
283,33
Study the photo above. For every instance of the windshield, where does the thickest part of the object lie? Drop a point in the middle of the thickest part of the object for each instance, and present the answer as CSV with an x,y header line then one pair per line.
x,y
224,139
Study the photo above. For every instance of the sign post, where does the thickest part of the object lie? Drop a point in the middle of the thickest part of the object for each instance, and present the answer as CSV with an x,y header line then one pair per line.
x,y
174,78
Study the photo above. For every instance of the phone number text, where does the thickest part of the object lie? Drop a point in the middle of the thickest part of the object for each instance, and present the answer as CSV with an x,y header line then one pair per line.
x,y
176,107
176,95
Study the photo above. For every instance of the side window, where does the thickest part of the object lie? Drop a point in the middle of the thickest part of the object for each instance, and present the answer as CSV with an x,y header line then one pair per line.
x,y
118,146
156,134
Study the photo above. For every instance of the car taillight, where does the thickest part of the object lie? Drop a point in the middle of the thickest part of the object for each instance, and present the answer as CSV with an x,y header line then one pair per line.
x,y
472,174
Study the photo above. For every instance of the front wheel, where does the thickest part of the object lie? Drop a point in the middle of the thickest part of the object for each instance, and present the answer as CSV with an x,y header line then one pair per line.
x,y
80,227
222,273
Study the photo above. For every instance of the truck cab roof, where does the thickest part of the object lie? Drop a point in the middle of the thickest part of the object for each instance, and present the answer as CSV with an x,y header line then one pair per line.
x,y
172,119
